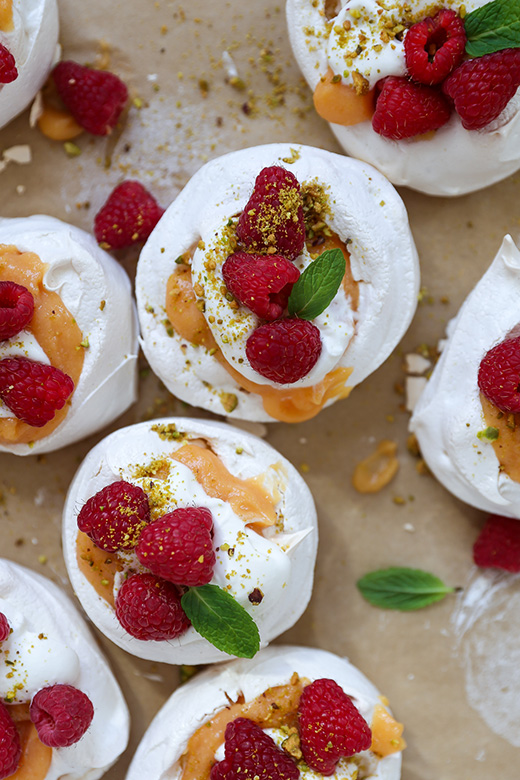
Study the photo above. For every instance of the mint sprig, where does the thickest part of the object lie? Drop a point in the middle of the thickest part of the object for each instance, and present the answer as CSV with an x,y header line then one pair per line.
x,y
216,616
493,27
401,588
317,285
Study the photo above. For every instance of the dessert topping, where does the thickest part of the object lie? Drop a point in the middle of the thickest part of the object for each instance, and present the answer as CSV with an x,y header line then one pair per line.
x,y
10,746
493,27
61,714
250,752
405,109
318,285
95,98
115,516
179,547
8,71
272,219
5,628
33,391
150,608
330,726
434,47
16,309
263,283
128,216
499,375
284,351
498,545
482,88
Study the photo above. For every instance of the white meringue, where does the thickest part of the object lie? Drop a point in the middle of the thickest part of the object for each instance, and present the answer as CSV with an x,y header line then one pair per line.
x,y
84,276
452,162
279,562
366,212
32,42
448,415
55,647
194,703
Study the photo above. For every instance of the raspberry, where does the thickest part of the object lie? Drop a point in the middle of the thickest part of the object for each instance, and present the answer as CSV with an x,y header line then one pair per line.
x,y
251,753
434,47
16,309
178,547
10,746
128,216
33,391
5,628
272,220
95,98
150,608
404,109
482,88
115,516
8,71
263,283
498,545
284,351
330,726
61,714
499,375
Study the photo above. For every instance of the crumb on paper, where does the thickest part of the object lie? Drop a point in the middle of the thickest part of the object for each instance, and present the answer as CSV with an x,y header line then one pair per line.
x,y
414,386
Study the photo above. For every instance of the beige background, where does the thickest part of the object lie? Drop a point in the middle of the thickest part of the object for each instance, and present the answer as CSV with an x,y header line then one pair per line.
x,y
171,58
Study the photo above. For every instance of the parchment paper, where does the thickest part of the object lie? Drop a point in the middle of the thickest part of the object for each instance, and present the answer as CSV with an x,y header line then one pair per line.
x,y
185,112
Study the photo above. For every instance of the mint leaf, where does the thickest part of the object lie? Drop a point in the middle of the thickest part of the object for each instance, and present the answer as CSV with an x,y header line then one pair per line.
x,y
402,588
317,285
493,27
221,620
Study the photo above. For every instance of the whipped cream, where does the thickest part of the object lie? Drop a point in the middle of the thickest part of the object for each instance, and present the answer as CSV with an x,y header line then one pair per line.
x,y
159,753
84,276
452,162
279,562
32,42
448,415
49,644
365,211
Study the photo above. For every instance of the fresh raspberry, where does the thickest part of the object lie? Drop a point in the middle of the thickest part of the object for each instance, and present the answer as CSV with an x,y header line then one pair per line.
x,y
499,375
128,216
482,88
33,391
284,351
95,98
251,753
61,714
10,746
498,545
434,47
150,608
5,628
263,283
272,220
178,547
404,109
8,71
16,309
330,726
115,516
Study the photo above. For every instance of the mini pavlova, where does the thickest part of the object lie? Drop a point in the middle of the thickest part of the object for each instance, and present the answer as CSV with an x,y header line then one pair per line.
x,y
277,281
62,714
189,541
68,336
291,712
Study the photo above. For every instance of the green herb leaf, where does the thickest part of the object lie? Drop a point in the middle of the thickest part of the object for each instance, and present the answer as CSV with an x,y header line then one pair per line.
x,y
491,434
493,27
221,620
317,285
402,588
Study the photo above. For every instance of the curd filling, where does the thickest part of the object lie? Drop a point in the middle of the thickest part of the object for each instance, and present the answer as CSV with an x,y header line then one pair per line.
x,y
507,443
52,337
185,313
6,16
36,757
